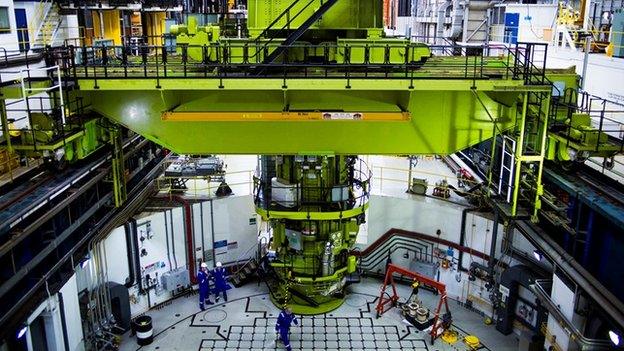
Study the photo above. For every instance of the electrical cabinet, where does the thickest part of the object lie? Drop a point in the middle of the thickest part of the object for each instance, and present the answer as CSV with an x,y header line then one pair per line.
x,y
175,279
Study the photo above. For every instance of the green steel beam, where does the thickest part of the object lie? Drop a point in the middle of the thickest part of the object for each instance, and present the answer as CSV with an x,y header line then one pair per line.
x,y
445,115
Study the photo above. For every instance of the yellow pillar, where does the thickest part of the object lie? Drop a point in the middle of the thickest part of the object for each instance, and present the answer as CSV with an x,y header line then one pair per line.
x,y
112,27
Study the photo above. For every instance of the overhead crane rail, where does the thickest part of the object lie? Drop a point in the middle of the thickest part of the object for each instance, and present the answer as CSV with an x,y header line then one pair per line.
x,y
235,60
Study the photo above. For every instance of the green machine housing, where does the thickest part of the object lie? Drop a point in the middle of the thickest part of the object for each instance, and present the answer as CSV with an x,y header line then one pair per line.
x,y
314,205
348,31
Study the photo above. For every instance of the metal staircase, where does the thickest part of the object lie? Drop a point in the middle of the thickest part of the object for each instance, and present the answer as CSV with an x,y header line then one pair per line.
x,y
271,33
520,178
49,26
243,272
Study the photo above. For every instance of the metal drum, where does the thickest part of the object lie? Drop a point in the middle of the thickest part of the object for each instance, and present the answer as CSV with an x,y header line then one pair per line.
x,y
144,330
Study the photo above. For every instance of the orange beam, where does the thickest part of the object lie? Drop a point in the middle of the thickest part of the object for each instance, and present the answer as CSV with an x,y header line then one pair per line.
x,y
283,116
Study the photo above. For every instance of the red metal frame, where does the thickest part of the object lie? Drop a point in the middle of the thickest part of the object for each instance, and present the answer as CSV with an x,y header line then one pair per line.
x,y
438,327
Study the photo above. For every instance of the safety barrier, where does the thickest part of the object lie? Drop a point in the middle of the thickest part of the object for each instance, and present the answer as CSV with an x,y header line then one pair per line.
x,y
330,61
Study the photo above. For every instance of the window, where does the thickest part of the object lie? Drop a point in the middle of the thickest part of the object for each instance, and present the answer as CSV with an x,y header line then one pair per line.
x,y
405,8
5,24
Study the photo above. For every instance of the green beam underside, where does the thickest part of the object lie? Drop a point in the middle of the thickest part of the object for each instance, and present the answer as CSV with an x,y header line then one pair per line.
x,y
445,115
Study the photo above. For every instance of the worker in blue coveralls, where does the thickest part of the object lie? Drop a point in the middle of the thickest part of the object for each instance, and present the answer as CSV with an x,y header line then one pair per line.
x,y
204,289
219,275
285,319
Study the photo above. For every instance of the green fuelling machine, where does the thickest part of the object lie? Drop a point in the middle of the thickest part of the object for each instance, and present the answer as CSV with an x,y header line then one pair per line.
x,y
302,31
314,206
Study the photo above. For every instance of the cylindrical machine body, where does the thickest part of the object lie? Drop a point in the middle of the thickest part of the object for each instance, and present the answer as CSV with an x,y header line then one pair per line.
x,y
314,205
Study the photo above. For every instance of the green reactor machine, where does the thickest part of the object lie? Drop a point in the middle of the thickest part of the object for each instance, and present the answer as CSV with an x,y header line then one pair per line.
x,y
314,205
291,31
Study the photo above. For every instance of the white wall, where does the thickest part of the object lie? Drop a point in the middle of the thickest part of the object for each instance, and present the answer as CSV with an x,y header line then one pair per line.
x,y
604,74
427,215
8,39
563,297
534,19
72,315
231,222
117,260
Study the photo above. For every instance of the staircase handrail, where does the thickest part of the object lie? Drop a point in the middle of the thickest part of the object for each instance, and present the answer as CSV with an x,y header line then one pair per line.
x,y
44,7
242,255
290,20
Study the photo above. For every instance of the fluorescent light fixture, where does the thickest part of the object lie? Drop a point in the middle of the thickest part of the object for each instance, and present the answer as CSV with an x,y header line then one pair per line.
x,y
22,331
84,262
538,255
615,339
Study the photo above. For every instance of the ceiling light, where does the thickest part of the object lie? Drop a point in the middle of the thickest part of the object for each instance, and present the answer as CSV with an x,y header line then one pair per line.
x,y
24,328
615,339
84,262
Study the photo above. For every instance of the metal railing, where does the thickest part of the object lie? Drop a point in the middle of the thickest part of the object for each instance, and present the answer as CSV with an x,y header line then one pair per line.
x,y
542,289
606,126
351,194
350,61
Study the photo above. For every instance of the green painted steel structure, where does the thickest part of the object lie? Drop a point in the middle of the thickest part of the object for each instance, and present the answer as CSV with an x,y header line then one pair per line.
x,y
445,115
371,95
313,260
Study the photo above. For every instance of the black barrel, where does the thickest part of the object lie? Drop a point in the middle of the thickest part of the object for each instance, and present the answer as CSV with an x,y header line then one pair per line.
x,y
144,330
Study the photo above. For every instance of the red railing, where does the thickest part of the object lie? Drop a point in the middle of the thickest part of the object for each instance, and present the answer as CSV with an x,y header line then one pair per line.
x,y
415,235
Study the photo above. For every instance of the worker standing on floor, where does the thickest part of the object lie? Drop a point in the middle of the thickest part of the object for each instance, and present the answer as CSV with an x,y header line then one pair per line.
x,y
285,319
204,288
221,286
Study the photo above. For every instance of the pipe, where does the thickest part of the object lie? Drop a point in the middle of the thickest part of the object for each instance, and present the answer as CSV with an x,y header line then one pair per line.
x,y
201,228
440,21
167,240
456,23
586,344
505,314
212,228
130,256
562,260
175,258
107,296
193,245
188,229
493,244
415,235
137,254
462,232
63,321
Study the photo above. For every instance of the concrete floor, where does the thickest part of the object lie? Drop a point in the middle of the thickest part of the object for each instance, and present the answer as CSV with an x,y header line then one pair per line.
x,y
247,322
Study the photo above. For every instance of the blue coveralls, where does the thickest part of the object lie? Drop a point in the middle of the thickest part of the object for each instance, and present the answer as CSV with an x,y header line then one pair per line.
x,y
204,289
284,321
219,274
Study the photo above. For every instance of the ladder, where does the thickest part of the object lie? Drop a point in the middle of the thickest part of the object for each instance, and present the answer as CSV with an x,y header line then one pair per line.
x,y
505,180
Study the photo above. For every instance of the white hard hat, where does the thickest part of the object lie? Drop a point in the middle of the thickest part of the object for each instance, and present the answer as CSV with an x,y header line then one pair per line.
x,y
218,264
204,265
